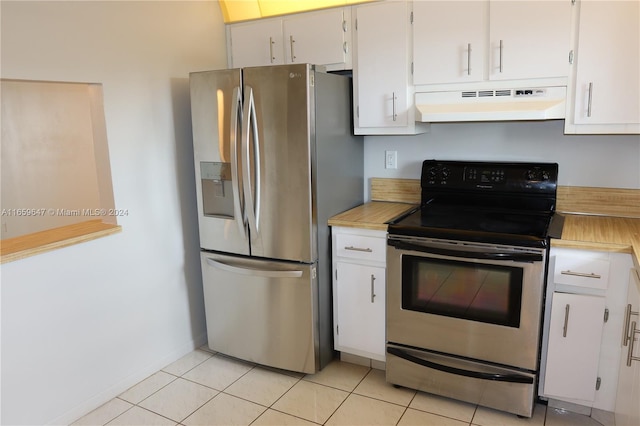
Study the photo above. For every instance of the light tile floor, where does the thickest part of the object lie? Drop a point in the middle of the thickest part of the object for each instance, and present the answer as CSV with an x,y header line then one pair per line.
x,y
205,388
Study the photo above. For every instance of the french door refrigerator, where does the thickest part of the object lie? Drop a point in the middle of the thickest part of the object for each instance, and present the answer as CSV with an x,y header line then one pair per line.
x,y
275,157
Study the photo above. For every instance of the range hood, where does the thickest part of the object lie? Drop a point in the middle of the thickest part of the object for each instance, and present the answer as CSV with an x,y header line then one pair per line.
x,y
524,103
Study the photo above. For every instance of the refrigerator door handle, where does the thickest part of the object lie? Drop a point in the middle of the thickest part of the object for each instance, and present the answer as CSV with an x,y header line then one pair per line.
x,y
254,272
236,116
250,124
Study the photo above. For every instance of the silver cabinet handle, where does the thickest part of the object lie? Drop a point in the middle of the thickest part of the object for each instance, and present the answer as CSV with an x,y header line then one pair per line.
x,y
581,274
344,26
352,248
395,116
254,272
630,356
468,58
566,320
627,319
501,55
291,41
373,295
590,98
271,43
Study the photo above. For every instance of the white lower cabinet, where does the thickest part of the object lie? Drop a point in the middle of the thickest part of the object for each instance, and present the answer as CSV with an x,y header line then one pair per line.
x,y
359,289
628,398
584,310
575,333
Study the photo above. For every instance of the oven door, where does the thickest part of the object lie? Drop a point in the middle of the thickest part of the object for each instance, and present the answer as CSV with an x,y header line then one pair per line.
x,y
477,301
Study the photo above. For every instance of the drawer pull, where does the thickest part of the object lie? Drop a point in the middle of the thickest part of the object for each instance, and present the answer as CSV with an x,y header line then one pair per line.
x,y
566,321
352,248
581,274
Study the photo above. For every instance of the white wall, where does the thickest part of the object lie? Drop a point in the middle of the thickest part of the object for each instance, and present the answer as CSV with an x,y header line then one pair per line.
x,y
591,160
83,323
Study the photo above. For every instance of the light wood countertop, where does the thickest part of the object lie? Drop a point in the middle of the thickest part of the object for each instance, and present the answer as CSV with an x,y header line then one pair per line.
x,y
602,219
372,215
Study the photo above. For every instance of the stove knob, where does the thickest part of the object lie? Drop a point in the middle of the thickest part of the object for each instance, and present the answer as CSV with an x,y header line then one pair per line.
x,y
445,173
531,175
545,175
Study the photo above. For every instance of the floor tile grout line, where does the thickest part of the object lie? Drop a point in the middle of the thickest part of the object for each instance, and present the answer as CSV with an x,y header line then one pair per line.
x,y
218,391
143,408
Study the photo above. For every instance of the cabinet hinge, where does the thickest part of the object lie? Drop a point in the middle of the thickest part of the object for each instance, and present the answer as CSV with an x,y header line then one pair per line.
x,y
571,57
356,24
411,18
606,314
358,111
598,383
337,329
411,68
336,274
344,26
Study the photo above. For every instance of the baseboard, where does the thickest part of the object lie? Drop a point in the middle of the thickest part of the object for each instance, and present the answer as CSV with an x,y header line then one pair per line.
x,y
115,390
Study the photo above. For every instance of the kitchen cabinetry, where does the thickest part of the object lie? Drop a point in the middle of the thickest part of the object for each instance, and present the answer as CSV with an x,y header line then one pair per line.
x,y
359,258
605,82
383,95
575,332
627,410
526,40
321,37
584,309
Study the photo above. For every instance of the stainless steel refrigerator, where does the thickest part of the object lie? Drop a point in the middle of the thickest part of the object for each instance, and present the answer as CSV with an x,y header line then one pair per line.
x,y
275,157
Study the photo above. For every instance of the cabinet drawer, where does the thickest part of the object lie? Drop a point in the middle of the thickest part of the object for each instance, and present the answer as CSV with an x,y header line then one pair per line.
x,y
582,270
361,247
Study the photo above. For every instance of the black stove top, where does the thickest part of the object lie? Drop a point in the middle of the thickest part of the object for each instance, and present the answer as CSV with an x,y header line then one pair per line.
x,y
499,203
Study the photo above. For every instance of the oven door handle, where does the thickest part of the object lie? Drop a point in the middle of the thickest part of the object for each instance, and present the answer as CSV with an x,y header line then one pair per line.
x,y
516,257
511,378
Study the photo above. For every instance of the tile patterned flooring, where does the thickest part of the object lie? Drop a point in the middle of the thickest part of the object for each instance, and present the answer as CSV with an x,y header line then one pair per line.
x,y
205,388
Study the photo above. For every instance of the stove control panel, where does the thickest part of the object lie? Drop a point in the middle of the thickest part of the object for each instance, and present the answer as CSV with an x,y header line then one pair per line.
x,y
490,176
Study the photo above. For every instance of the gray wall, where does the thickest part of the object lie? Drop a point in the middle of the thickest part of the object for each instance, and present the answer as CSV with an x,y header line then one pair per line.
x,y
584,160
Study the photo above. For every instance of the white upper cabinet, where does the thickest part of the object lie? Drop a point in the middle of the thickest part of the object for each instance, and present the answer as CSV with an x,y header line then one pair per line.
x,y
529,39
255,43
471,41
383,95
321,38
449,41
604,92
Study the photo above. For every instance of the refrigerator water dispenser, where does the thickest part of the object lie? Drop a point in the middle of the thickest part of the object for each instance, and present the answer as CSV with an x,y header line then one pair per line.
x,y
217,196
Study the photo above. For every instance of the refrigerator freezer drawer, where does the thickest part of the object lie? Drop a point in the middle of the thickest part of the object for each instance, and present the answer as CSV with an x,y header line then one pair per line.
x,y
261,311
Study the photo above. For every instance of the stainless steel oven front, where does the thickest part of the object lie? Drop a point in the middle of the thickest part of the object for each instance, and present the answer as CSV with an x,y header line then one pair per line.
x,y
463,319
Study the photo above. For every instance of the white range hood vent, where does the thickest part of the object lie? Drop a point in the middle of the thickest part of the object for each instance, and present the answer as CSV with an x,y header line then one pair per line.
x,y
539,103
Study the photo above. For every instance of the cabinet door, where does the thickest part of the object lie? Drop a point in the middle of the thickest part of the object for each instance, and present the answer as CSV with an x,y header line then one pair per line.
x,y
256,43
317,38
529,39
575,334
449,41
627,411
361,309
381,68
608,72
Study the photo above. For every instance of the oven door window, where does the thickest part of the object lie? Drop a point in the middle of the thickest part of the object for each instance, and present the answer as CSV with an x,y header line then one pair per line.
x,y
466,290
